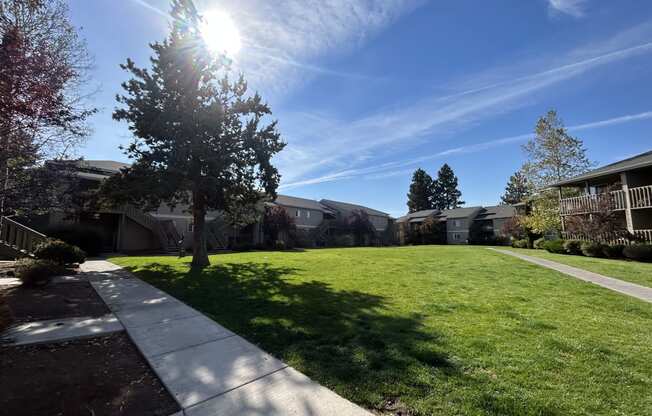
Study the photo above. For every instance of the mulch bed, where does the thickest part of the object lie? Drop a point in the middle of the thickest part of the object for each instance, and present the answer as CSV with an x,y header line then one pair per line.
x,y
54,301
98,376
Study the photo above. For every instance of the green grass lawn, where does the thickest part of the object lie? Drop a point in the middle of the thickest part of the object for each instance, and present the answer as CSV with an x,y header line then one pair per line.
x,y
431,329
630,271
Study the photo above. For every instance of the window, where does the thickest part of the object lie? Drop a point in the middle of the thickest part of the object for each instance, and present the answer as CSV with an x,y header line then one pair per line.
x,y
298,213
457,236
307,214
457,223
190,226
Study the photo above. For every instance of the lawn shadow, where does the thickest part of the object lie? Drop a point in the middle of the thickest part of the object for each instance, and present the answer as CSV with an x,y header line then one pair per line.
x,y
347,340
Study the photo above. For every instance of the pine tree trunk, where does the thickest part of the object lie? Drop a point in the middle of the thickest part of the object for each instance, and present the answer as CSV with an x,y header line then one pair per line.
x,y
199,252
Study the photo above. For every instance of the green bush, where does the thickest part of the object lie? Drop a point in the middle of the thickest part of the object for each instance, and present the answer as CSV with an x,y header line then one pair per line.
x,y
573,247
591,249
59,252
88,239
638,252
519,243
539,243
36,272
613,251
555,246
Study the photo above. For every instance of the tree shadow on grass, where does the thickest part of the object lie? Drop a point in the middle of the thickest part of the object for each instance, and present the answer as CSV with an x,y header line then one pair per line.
x,y
347,340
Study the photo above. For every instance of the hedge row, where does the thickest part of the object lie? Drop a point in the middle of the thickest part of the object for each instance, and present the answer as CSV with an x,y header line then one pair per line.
x,y
638,252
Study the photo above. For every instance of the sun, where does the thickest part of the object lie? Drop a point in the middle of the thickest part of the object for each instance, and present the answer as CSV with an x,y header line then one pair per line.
x,y
220,33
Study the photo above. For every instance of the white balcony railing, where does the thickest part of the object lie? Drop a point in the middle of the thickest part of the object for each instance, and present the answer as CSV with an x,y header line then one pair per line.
x,y
591,203
641,197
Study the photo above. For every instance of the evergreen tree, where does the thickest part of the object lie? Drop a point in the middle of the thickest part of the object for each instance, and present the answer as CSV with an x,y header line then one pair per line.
x,y
553,155
420,194
445,194
517,189
198,135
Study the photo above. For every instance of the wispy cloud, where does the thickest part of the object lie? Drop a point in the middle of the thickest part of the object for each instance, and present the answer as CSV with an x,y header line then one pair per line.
x,y
285,40
398,168
318,141
575,8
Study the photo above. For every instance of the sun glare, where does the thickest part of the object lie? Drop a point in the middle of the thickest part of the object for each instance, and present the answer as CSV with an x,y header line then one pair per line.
x,y
220,33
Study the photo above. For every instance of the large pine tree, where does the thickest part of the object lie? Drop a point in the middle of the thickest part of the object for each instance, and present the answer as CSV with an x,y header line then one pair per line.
x,y
445,194
517,189
420,194
198,135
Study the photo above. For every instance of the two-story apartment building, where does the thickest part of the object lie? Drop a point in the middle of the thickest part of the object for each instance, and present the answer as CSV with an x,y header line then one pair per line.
x,y
128,229
627,184
457,224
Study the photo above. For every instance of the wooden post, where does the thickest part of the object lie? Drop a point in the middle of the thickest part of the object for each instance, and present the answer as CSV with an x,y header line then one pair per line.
x,y
563,227
628,203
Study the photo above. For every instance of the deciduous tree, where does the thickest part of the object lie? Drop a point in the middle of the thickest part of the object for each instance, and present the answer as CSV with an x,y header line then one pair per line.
x,y
552,154
43,113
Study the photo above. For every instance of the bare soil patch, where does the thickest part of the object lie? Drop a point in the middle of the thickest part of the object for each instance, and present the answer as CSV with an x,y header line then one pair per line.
x,y
54,301
98,376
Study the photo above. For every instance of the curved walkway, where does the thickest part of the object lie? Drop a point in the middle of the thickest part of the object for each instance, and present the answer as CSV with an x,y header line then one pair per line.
x,y
630,289
208,369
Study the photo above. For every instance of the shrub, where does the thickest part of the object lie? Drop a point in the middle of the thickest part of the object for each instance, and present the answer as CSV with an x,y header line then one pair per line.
x,y
519,243
36,272
59,252
502,240
613,251
555,246
539,243
279,245
88,239
591,249
573,247
639,252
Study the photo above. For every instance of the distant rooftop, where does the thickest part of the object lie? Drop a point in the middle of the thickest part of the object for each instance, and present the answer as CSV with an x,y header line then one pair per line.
x,y
636,162
496,212
460,212
295,202
345,206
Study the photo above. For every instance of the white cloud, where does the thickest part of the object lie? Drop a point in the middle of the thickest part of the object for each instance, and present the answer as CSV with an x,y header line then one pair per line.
x,y
575,8
398,168
320,141
285,39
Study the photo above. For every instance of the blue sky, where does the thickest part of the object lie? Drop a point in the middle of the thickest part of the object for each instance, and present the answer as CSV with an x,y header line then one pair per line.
x,y
367,91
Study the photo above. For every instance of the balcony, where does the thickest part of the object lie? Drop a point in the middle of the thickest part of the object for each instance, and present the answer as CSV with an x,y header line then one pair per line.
x,y
640,197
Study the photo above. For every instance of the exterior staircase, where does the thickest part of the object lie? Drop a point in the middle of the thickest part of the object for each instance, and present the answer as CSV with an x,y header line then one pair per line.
x,y
217,234
320,234
18,240
164,230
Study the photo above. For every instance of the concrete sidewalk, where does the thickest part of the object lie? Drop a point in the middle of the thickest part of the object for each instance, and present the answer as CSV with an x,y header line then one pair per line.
x,y
627,288
208,369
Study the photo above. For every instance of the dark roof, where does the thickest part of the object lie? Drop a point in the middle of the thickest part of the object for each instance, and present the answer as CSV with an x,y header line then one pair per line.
x,y
635,162
345,206
103,165
460,212
418,215
293,201
497,212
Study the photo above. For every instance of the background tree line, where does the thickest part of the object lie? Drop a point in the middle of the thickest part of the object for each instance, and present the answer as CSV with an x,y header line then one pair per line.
x,y
441,193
